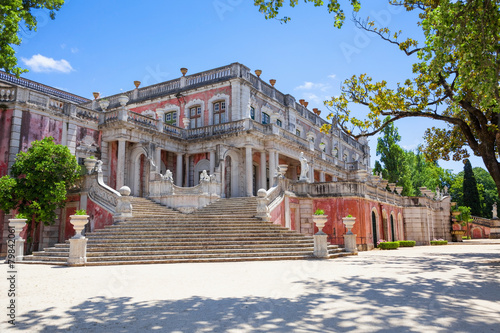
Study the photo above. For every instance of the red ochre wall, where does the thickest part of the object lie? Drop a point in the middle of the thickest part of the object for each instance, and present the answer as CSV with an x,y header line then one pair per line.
x,y
337,208
204,96
37,127
98,216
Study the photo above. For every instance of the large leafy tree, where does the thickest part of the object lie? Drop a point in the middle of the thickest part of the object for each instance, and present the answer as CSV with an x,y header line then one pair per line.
x,y
455,79
470,192
14,16
39,180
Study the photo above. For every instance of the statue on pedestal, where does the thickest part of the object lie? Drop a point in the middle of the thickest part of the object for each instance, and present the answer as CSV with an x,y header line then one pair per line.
x,y
494,211
304,168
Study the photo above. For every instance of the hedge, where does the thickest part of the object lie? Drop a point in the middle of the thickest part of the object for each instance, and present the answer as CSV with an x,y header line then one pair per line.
x,y
407,243
439,242
388,245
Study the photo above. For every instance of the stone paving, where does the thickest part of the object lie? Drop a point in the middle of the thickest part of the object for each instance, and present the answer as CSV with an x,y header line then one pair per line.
x,y
453,288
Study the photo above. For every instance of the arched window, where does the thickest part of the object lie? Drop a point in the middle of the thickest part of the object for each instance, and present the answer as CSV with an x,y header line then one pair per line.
x,y
219,112
195,116
171,118
279,123
265,118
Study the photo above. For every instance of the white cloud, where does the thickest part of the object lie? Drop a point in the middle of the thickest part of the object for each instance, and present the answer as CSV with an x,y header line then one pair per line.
x,y
332,76
39,64
74,50
310,86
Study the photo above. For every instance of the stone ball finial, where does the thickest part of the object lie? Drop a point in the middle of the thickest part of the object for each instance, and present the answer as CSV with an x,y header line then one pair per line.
x,y
261,193
125,191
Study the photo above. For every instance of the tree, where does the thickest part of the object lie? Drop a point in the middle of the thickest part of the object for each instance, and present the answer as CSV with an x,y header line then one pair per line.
x,y
39,181
470,193
455,80
15,15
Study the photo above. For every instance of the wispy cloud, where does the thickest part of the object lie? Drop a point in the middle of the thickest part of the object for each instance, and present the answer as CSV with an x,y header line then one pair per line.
x,y
314,86
74,50
332,76
41,64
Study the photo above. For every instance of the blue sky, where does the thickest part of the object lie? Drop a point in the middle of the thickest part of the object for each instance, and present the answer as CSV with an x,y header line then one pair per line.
x,y
105,45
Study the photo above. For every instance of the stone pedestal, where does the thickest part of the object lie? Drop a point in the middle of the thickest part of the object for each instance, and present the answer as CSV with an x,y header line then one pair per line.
x,y
18,225
77,251
495,230
350,243
320,245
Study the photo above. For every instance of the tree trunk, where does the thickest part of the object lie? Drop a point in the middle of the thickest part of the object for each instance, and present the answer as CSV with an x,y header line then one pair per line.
x,y
493,168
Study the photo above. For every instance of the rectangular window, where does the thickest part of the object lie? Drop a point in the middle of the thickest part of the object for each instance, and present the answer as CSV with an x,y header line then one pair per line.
x,y
171,118
219,113
297,132
279,123
252,113
265,118
195,115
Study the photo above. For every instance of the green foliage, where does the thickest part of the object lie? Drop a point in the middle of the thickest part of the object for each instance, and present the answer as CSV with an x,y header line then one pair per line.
x,y
439,242
20,216
319,212
465,214
406,168
38,182
407,243
350,216
470,192
388,245
271,9
81,212
16,15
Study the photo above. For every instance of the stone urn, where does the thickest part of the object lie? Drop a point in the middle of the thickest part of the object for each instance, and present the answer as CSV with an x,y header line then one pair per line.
x,y
78,222
104,103
349,223
18,225
320,221
123,100
282,169
90,164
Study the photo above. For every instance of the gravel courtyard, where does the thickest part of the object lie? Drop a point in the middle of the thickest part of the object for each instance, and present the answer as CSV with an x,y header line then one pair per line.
x,y
453,288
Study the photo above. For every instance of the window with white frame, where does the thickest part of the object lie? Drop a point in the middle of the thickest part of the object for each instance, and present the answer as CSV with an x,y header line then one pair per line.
x,y
195,116
171,118
219,112
265,118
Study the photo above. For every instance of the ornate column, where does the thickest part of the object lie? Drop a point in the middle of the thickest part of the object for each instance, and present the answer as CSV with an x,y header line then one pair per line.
x,y
212,162
158,159
248,170
120,165
263,178
322,176
178,171
186,172
272,167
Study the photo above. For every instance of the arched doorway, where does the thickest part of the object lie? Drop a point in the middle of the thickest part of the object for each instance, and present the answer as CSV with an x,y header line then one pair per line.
x,y
393,234
384,234
227,176
374,229
198,169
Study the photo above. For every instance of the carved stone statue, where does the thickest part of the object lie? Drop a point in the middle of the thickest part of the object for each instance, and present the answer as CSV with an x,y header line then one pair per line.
x,y
204,177
494,211
304,168
168,176
98,166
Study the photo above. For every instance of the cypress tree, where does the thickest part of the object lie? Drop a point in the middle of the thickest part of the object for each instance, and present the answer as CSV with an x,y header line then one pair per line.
x,y
470,193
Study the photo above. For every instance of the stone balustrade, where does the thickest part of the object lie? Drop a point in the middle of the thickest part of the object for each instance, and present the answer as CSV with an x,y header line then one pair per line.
x,y
185,199
7,94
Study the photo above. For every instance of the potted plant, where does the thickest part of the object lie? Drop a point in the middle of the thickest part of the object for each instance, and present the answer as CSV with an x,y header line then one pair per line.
x,y
18,223
319,218
79,220
349,221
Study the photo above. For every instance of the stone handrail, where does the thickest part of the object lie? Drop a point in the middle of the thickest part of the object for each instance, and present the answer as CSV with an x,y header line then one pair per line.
x,y
42,88
268,200
483,221
117,203
142,121
185,199
7,94
224,128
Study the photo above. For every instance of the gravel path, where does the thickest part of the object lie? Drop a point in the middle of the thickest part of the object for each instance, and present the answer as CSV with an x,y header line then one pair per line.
x,y
453,288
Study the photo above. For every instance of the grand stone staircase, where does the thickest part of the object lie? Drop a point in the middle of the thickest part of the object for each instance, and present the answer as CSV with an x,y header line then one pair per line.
x,y
223,231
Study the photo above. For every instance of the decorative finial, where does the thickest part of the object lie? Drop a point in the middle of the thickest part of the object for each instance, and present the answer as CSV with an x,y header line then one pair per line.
x,y
258,72
272,82
96,95
137,84
184,71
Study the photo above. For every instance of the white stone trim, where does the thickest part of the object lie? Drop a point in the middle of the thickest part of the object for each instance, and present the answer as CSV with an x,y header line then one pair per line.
x,y
170,108
211,101
192,103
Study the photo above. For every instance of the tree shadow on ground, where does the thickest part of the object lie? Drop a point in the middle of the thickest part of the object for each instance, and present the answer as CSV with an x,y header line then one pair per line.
x,y
419,302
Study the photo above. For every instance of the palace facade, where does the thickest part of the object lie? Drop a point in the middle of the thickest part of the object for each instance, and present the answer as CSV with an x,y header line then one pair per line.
x,y
213,135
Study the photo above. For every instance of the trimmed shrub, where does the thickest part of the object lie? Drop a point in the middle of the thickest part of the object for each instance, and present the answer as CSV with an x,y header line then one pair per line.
x,y
388,245
407,243
439,242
